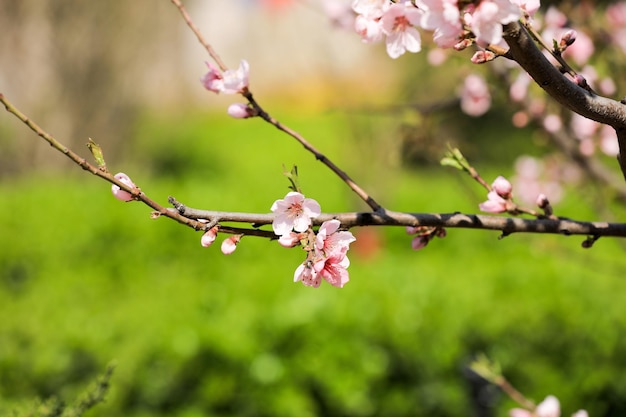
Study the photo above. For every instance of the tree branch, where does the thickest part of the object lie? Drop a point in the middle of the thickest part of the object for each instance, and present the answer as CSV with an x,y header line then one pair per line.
x,y
570,95
506,225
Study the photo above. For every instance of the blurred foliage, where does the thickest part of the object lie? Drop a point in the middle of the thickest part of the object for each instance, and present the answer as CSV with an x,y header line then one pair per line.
x,y
85,279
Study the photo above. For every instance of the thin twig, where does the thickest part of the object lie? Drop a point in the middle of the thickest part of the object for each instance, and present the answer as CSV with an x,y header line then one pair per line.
x,y
198,34
269,119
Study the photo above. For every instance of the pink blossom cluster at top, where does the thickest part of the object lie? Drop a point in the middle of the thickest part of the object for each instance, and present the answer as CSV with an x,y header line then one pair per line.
x,y
326,250
451,21
549,407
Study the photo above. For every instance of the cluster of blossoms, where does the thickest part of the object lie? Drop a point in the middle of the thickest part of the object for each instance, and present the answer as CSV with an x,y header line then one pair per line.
x,y
499,198
326,250
549,407
455,24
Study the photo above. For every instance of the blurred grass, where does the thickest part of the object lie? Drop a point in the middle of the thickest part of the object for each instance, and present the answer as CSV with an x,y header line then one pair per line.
x,y
86,279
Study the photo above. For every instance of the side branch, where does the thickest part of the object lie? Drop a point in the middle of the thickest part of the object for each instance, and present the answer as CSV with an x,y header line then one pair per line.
x,y
601,109
506,225
318,155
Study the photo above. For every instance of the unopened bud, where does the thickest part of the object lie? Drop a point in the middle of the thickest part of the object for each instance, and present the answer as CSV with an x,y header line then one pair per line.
x,y
463,44
567,39
118,192
241,111
480,57
502,187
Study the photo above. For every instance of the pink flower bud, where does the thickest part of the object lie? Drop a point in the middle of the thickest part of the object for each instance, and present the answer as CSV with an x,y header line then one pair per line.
x,y
209,237
230,244
542,201
502,187
480,57
290,240
567,39
118,192
241,111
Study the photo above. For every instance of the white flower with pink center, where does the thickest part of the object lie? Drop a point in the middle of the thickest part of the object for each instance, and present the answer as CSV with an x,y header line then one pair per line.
x,y
444,18
398,24
230,82
333,269
488,18
294,212
307,275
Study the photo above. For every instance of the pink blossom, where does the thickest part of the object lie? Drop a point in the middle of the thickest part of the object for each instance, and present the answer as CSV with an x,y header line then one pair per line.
x,y
230,82
333,269
488,18
241,111
370,29
475,97
294,212
213,80
398,24
118,192
307,275
230,244
444,18
420,242
502,187
209,237
329,241
494,203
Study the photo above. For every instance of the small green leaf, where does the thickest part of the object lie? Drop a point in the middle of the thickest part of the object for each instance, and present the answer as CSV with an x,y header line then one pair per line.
x,y
96,151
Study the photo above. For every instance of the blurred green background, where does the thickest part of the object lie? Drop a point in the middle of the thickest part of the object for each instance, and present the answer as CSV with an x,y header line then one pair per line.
x,y
86,279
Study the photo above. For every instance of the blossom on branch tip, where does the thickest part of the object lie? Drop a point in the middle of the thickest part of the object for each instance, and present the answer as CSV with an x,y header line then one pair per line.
x,y
118,192
294,212
230,82
230,244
